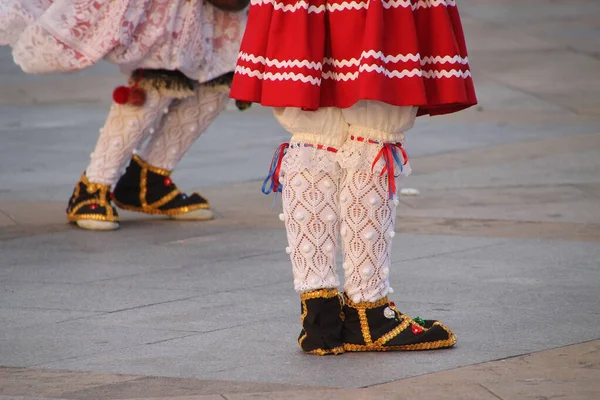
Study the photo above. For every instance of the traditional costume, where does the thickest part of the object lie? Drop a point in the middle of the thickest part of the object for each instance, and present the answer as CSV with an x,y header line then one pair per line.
x,y
347,80
179,55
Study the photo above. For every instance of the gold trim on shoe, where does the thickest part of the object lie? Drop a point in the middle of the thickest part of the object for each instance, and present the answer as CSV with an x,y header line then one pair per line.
x,y
407,322
95,217
101,201
321,293
321,352
365,305
156,170
154,211
438,344
318,294
364,326
153,208
451,341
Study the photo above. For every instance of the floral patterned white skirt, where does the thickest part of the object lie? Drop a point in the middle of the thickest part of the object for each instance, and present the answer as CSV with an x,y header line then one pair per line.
x,y
191,36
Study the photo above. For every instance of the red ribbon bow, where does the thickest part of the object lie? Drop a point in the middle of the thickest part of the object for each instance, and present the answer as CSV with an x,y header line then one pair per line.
x,y
389,154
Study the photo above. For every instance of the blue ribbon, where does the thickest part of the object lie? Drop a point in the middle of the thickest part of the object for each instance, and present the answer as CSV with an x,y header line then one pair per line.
x,y
271,182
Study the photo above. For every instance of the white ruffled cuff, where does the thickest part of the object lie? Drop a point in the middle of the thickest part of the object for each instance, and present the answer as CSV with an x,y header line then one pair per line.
x,y
360,155
305,156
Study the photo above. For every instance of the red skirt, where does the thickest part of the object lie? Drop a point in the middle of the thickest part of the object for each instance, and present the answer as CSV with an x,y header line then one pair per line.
x,y
333,53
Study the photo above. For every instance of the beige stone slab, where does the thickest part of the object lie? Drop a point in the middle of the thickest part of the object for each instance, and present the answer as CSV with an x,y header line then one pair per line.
x,y
544,389
500,228
505,153
101,386
332,394
531,72
491,196
483,38
401,392
592,189
207,397
577,212
570,372
2,397
578,34
6,220
49,383
21,218
38,213
18,231
482,113
494,96
62,90
163,387
551,203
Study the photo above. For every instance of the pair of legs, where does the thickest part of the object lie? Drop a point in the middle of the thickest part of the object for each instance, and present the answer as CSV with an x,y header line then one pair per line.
x,y
338,181
154,136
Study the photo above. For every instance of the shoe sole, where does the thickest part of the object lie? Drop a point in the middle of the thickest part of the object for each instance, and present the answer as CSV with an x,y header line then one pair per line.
x,y
195,215
202,213
93,225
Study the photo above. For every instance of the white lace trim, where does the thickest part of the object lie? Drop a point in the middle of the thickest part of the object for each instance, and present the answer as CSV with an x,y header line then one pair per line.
x,y
301,156
359,156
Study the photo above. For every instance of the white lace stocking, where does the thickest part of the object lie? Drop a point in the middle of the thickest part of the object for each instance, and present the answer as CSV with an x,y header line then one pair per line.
x,y
125,129
310,211
187,119
367,226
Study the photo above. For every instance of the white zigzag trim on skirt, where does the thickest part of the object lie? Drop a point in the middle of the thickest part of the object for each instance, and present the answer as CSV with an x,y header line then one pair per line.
x,y
289,7
353,5
396,73
353,62
353,75
279,63
285,76
388,58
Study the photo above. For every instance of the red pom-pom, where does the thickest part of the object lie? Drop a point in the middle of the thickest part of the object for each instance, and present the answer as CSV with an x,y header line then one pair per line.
x,y
137,96
121,94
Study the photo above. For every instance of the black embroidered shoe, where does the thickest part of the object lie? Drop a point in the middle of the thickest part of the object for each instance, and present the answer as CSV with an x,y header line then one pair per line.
x,y
90,207
148,189
379,326
322,322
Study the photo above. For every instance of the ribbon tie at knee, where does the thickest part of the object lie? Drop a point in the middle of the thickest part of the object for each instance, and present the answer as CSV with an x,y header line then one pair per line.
x,y
389,152
275,170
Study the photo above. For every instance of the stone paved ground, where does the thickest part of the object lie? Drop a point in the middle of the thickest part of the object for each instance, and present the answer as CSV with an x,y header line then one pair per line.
x,y
502,244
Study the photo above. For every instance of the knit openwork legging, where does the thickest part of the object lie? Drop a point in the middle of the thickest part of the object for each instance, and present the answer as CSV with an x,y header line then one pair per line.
x,y
333,186
170,126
